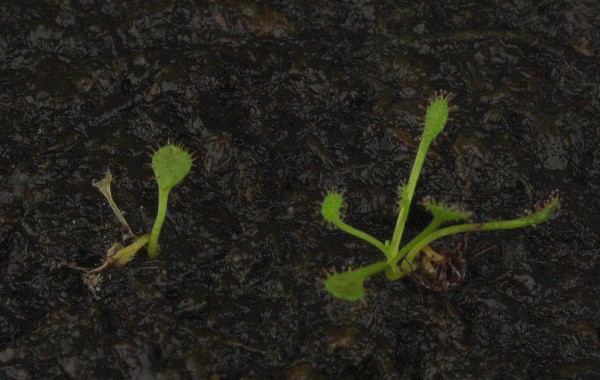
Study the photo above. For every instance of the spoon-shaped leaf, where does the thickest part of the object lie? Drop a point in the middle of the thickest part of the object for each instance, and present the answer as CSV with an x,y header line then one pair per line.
x,y
171,164
346,285
332,205
436,116
349,285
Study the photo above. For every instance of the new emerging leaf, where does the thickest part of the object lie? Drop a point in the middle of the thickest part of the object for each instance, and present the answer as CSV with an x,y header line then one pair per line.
x,y
545,211
445,212
403,196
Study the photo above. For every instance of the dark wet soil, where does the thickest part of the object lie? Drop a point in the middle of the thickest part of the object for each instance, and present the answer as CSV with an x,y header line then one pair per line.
x,y
283,100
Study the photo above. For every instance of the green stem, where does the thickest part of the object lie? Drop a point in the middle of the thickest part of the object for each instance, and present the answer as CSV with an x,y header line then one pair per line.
x,y
339,223
407,196
500,225
163,200
435,223
370,270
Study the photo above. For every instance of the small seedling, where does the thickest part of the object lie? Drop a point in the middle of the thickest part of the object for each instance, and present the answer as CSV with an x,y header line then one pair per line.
x,y
171,163
416,255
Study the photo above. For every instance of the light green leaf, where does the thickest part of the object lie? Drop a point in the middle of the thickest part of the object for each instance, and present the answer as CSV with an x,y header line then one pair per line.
x,y
436,116
346,285
332,205
171,164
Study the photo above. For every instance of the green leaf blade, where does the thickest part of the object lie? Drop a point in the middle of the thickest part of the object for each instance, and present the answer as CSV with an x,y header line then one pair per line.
x,y
349,285
171,164
332,206
346,285
436,116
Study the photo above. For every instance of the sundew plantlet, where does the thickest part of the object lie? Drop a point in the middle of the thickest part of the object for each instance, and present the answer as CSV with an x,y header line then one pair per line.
x,y
416,255
171,163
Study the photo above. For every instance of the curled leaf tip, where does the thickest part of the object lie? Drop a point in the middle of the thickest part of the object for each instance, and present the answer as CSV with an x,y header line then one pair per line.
x,y
544,211
332,205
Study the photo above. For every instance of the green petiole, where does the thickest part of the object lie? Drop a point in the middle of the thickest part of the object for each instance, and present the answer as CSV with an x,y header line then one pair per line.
x,y
435,120
161,212
407,195
331,211
538,217
361,235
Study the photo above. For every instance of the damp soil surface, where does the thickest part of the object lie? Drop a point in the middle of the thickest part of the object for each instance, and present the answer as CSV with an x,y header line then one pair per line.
x,y
282,100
